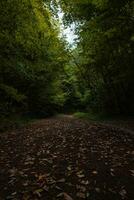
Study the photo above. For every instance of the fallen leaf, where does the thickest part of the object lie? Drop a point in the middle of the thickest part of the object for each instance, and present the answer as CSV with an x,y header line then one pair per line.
x,y
69,168
60,194
81,188
62,180
123,193
94,172
132,172
97,190
67,197
37,192
85,182
81,195
81,175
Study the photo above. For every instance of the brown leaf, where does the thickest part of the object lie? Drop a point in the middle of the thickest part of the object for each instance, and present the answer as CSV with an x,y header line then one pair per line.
x,y
81,175
60,194
97,190
81,195
41,177
94,172
38,192
132,172
85,182
62,180
123,193
67,197
81,188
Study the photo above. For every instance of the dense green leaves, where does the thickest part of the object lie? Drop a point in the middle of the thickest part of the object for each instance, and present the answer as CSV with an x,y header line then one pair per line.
x,y
31,57
106,51
38,74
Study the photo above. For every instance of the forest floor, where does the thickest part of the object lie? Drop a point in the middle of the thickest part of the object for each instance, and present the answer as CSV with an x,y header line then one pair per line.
x,y
64,158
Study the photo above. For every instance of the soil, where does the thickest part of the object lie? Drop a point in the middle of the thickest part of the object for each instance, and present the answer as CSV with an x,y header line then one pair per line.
x,y
65,158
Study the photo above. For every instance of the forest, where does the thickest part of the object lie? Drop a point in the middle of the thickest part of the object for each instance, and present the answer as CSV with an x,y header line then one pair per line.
x,y
40,74
66,99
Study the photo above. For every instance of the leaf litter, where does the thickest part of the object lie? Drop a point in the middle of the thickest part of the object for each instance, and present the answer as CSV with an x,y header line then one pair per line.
x,y
66,158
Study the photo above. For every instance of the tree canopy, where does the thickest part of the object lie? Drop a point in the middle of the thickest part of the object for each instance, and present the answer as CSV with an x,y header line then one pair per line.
x,y
32,57
39,74
106,47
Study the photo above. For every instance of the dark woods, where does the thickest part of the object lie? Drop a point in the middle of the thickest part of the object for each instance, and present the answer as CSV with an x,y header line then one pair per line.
x,y
32,59
40,75
105,53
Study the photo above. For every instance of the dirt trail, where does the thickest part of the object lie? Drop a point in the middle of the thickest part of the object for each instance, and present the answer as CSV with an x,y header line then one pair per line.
x,y
67,159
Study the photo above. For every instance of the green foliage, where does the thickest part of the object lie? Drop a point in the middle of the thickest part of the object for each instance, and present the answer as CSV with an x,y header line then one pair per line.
x,y
90,116
105,54
40,76
32,58
12,93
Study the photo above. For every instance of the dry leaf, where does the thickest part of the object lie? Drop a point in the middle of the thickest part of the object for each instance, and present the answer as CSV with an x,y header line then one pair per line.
x,y
67,197
38,191
81,195
132,172
97,190
61,180
123,193
94,172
